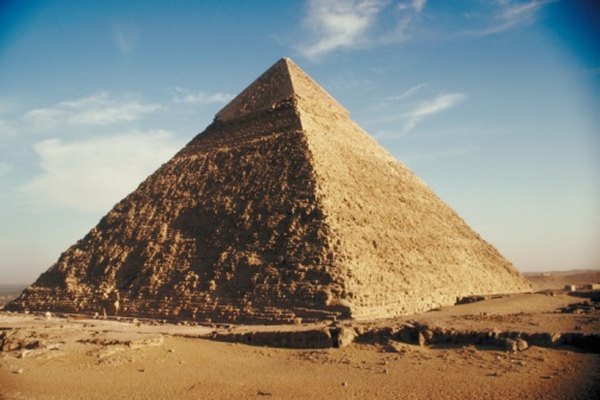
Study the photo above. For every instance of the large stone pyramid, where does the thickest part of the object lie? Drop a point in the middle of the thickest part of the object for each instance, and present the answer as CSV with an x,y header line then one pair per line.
x,y
282,209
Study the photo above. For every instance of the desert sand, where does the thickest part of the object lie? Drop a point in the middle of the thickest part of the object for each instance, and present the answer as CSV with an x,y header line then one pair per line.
x,y
78,357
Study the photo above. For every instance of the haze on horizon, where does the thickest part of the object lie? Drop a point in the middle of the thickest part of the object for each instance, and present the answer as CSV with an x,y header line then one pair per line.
x,y
493,104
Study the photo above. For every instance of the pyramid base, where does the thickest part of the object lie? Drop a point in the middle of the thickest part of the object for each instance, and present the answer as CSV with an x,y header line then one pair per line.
x,y
41,300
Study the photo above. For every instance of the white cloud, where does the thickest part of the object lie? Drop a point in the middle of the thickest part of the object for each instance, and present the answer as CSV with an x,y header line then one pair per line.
x,y
411,118
440,103
98,109
349,24
354,24
518,11
511,14
408,93
385,102
187,96
339,24
93,174
415,5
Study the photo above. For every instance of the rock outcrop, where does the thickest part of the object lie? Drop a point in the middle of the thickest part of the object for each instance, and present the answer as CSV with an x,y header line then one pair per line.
x,y
283,210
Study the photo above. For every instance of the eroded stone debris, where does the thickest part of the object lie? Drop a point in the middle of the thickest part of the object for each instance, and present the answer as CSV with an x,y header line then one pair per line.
x,y
282,211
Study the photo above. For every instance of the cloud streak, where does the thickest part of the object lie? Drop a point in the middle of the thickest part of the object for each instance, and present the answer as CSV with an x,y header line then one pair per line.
x,y
91,175
339,24
346,24
335,25
186,96
415,5
418,113
511,15
440,103
98,109
408,93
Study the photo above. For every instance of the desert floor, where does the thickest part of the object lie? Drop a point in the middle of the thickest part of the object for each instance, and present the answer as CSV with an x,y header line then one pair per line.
x,y
51,357
196,368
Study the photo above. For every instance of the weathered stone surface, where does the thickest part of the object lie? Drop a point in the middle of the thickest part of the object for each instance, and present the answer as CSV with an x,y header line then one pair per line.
x,y
282,210
343,336
522,345
132,340
515,345
14,340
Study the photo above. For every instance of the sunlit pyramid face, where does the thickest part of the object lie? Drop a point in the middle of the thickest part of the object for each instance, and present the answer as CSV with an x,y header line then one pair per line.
x,y
282,210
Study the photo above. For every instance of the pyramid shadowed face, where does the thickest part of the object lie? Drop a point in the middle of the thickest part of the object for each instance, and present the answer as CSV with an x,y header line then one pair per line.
x,y
282,210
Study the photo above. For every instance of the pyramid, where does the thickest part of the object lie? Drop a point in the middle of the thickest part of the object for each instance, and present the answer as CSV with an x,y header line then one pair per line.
x,y
282,210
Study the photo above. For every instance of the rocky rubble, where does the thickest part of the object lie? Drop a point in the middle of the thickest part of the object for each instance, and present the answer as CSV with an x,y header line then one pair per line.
x,y
410,334
585,307
13,340
422,335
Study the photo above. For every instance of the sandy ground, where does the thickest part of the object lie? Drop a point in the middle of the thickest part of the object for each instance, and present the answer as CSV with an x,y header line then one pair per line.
x,y
72,358
193,368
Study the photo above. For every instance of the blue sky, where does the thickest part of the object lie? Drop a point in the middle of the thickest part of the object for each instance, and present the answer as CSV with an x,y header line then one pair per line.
x,y
494,103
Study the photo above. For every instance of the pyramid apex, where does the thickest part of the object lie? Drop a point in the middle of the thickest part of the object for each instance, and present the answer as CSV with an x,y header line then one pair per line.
x,y
283,81
288,62
273,86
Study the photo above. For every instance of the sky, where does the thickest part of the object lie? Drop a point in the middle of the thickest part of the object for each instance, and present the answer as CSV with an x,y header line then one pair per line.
x,y
493,103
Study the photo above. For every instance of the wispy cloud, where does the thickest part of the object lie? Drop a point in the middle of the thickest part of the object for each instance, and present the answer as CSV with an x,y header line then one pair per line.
x,y
186,96
416,114
125,36
416,5
440,103
98,109
339,24
385,102
408,93
91,175
335,25
511,14
346,24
